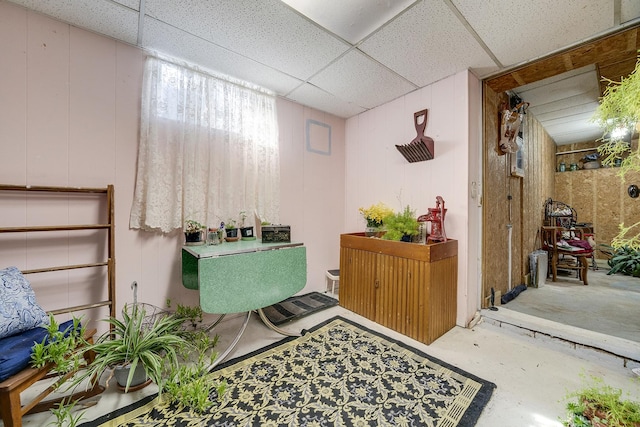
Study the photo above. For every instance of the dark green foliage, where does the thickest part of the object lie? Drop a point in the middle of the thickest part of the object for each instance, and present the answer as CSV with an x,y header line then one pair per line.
x,y
625,261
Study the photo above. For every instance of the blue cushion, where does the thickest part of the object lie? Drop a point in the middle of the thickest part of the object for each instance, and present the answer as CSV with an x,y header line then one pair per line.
x,y
15,351
18,308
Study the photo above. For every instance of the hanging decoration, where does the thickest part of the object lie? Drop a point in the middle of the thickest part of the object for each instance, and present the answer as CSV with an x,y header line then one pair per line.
x,y
421,148
510,121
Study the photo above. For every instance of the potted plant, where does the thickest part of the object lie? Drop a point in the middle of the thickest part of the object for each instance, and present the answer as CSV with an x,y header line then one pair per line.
x,y
246,231
374,215
401,226
231,231
193,231
600,405
136,343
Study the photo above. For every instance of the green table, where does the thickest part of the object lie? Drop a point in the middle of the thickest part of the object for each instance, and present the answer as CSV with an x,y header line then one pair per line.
x,y
243,276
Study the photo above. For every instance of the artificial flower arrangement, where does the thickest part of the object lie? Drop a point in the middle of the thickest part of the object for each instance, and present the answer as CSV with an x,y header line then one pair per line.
x,y
375,214
191,226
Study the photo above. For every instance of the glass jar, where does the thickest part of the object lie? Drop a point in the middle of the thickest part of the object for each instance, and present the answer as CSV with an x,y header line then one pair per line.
x,y
574,167
562,167
212,237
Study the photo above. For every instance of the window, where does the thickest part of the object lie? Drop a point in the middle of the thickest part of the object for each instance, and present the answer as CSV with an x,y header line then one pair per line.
x,y
208,150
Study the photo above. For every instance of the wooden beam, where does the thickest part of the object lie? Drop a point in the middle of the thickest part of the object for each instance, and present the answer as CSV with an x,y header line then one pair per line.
x,y
605,51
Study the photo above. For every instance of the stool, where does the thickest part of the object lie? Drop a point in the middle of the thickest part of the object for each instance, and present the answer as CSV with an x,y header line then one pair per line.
x,y
334,277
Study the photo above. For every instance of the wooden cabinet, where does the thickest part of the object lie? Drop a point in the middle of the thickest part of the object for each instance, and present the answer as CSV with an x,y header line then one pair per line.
x,y
408,287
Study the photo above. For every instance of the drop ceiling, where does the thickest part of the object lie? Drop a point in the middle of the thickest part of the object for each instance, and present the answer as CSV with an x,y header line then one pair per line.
x,y
347,56
564,104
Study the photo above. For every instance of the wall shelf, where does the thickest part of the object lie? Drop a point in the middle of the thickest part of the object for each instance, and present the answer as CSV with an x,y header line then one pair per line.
x,y
582,150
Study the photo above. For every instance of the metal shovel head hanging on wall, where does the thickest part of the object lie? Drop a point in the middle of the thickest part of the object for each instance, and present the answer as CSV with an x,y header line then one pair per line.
x,y
421,148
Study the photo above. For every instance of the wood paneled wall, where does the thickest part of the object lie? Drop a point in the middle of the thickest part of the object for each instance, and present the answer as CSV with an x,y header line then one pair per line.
x,y
599,197
611,55
525,195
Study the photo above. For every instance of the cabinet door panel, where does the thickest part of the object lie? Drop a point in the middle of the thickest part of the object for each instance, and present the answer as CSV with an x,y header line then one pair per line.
x,y
417,293
391,295
357,281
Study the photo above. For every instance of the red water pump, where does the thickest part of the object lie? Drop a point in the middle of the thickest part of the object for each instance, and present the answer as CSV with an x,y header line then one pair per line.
x,y
436,217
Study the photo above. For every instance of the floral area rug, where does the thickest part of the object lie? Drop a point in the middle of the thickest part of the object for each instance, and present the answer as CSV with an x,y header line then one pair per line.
x,y
337,374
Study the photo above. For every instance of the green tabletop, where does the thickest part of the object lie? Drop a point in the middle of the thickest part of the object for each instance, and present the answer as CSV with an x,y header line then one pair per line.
x,y
242,276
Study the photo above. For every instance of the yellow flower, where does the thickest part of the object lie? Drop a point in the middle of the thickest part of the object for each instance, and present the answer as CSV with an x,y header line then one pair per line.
x,y
375,214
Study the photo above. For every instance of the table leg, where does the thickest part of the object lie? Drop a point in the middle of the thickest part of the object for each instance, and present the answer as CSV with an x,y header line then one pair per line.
x,y
229,349
270,325
214,324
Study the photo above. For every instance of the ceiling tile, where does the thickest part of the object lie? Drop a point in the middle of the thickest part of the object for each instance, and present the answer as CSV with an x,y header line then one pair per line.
x,y
314,97
416,44
519,31
101,16
629,9
267,30
352,20
171,41
132,4
359,79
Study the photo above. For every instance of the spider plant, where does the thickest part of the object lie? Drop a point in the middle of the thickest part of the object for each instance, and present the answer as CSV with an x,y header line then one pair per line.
x,y
135,340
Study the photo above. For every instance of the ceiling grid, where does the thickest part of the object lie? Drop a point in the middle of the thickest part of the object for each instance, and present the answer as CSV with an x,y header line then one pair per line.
x,y
347,57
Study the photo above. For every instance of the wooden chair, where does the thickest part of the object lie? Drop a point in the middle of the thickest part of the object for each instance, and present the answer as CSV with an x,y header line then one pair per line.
x,y
565,258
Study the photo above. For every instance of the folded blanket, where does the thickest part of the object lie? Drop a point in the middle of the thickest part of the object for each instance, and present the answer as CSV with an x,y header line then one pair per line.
x,y
580,244
15,351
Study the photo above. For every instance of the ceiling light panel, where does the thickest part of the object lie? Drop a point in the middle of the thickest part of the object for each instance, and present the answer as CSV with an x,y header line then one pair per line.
x,y
171,41
535,27
426,44
361,80
101,16
266,30
351,20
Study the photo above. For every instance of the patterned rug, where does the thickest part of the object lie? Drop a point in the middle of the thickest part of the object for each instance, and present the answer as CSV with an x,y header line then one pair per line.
x,y
338,373
297,307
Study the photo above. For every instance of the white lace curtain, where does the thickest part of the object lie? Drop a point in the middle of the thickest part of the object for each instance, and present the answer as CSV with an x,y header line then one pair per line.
x,y
208,150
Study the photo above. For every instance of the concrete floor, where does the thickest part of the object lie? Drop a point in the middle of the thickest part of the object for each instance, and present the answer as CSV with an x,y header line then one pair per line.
x,y
610,304
533,372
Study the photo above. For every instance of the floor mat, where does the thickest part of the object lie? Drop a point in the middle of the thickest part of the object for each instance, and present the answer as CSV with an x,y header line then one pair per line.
x,y
338,373
297,307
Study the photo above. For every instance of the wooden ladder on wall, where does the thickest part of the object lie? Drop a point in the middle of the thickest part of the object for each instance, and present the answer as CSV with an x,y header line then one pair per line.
x,y
11,406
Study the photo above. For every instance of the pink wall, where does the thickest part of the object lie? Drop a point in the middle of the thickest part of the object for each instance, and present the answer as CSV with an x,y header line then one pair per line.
x,y
376,171
69,114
